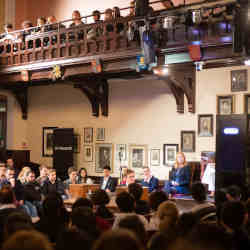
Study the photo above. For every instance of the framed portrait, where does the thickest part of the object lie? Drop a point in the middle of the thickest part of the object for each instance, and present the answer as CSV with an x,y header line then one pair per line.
x,y
169,153
155,157
138,156
88,135
225,104
104,156
100,134
76,144
188,141
247,104
121,152
88,153
238,80
205,125
48,143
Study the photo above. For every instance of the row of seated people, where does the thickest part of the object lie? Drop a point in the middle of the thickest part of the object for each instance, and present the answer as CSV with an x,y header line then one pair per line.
x,y
210,226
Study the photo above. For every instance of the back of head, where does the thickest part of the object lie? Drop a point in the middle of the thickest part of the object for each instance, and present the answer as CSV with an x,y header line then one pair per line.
x,y
125,202
233,193
159,241
82,202
233,214
156,198
120,239
7,195
134,224
27,240
185,223
198,191
168,215
100,197
135,190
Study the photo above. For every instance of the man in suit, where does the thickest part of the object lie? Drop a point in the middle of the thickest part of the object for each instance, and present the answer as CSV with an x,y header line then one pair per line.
x,y
107,182
149,180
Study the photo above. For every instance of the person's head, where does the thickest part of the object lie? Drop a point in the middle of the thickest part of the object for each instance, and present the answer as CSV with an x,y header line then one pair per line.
x,y
96,15
27,24
132,8
147,172
23,174
8,27
156,198
31,177
116,12
106,171
41,21
100,197
135,225
180,159
233,193
108,14
198,191
52,175
10,173
233,215
51,20
43,171
168,215
130,176
135,190
125,202
27,240
119,239
76,15
82,202
72,172
2,170
83,173
10,162
7,195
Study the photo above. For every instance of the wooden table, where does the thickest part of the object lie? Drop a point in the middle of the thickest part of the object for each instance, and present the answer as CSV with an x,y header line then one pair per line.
x,y
82,190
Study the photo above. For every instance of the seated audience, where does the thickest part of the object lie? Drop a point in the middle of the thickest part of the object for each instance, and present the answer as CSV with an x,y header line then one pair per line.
x,y
233,193
53,185
23,175
2,174
125,203
54,218
43,175
10,162
26,240
130,177
141,206
203,210
155,200
180,179
149,180
72,173
100,199
107,182
135,225
83,178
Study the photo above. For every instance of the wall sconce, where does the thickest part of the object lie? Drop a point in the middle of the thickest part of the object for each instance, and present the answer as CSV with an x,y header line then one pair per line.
x,y
199,65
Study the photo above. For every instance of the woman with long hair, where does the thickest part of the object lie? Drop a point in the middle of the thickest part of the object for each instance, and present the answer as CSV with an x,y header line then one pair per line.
x,y
83,177
180,175
22,177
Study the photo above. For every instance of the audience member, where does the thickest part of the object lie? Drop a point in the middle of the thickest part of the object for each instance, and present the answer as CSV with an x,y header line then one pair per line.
x,y
130,177
41,25
233,193
159,241
100,199
23,175
83,177
107,183
149,180
72,173
186,223
43,175
95,32
76,17
2,174
141,206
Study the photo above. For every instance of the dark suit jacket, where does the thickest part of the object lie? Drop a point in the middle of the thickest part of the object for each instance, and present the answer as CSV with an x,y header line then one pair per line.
x,y
152,185
183,175
111,185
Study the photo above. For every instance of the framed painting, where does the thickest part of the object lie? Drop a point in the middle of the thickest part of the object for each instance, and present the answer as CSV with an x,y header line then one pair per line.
x,y
121,152
169,153
225,104
238,80
155,157
88,135
48,143
205,125
100,134
76,144
138,156
104,156
188,141
88,153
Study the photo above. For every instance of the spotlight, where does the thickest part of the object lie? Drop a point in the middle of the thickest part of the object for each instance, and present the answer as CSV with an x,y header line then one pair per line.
x,y
247,62
199,66
161,70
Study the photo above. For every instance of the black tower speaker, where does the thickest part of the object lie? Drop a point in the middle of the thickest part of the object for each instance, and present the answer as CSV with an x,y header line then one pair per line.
x,y
232,151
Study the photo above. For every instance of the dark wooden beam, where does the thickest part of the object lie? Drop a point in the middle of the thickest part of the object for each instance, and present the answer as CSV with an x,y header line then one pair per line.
x,y
21,95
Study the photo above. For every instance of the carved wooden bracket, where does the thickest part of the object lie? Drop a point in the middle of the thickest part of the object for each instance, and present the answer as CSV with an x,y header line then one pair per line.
x,y
97,91
21,95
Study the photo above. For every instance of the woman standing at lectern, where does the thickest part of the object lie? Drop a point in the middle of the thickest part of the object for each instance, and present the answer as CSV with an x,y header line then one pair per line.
x,y
179,180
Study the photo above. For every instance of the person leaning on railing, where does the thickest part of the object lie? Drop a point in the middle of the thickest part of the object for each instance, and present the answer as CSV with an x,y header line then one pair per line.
x,y
108,16
77,21
41,22
119,25
93,33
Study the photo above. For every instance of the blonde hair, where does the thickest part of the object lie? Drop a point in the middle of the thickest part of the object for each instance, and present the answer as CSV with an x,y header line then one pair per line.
x,y
23,174
176,165
168,215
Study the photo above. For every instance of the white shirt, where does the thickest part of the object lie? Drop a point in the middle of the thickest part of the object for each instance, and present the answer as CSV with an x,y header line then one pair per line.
x,y
105,180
